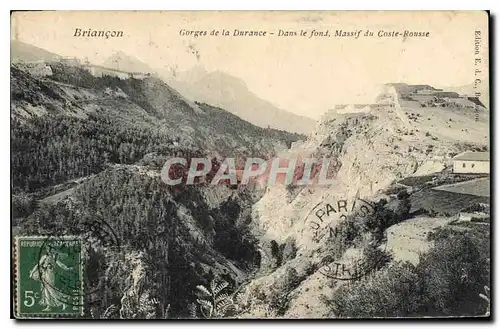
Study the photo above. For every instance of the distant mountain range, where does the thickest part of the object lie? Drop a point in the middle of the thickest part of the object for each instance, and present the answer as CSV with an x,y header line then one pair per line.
x,y
462,90
215,88
221,90
20,51
231,93
469,90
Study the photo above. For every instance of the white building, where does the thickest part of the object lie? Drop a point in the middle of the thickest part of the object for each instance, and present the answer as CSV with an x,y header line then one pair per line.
x,y
425,91
100,71
472,163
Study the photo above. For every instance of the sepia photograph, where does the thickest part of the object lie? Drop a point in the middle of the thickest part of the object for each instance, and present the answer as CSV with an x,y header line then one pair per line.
x,y
245,165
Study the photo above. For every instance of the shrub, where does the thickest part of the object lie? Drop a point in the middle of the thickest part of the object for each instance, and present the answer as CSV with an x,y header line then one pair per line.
x,y
288,282
269,298
446,282
453,272
389,213
374,258
289,250
22,205
391,292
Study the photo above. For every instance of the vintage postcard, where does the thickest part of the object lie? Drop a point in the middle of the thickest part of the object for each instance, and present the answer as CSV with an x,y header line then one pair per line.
x,y
250,165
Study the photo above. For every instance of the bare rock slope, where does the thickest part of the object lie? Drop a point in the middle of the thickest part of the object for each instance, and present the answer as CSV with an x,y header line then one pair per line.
x,y
374,149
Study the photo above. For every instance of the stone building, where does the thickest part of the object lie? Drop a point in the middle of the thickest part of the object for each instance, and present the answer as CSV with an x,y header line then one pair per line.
x,y
472,163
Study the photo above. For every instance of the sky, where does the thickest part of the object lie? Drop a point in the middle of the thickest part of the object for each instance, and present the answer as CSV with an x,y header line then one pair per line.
x,y
303,75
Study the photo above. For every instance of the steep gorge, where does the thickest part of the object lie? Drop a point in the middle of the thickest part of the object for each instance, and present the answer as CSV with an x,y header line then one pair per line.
x,y
116,134
374,149
89,150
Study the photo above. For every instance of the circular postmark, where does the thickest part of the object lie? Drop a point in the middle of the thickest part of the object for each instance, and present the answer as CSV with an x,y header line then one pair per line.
x,y
349,234
71,267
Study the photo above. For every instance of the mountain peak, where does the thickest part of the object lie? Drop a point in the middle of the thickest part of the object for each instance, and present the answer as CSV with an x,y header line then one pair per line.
x,y
121,61
192,75
222,78
221,89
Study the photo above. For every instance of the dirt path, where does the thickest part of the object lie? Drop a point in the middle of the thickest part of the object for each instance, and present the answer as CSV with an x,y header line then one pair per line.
x,y
408,239
398,109
56,197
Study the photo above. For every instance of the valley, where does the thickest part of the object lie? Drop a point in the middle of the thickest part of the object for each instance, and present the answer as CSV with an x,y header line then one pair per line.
x,y
91,148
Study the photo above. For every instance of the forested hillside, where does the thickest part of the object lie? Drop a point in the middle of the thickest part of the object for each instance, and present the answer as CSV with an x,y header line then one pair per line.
x,y
81,124
179,239
86,159
87,151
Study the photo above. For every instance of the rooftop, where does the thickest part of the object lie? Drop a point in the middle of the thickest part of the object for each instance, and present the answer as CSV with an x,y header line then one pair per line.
x,y
473,156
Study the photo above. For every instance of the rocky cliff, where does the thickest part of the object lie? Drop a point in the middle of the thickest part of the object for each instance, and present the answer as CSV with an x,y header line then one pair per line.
x,y
374,150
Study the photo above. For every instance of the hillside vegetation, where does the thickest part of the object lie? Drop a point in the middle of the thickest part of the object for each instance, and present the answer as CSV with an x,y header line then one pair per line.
x,y
86,158
75,124
87,149
376,150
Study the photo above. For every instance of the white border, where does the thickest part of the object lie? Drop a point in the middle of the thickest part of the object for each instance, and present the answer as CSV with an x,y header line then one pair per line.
x,y
255,5
493,5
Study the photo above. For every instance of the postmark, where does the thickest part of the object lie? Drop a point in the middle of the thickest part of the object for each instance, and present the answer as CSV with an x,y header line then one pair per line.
x,y
101,248
49,277
339,224
101,254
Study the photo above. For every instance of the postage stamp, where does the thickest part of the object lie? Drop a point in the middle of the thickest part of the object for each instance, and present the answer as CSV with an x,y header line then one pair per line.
x,y
49,277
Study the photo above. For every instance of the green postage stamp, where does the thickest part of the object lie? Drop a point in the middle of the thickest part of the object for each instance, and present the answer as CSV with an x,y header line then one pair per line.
x,y
49,277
